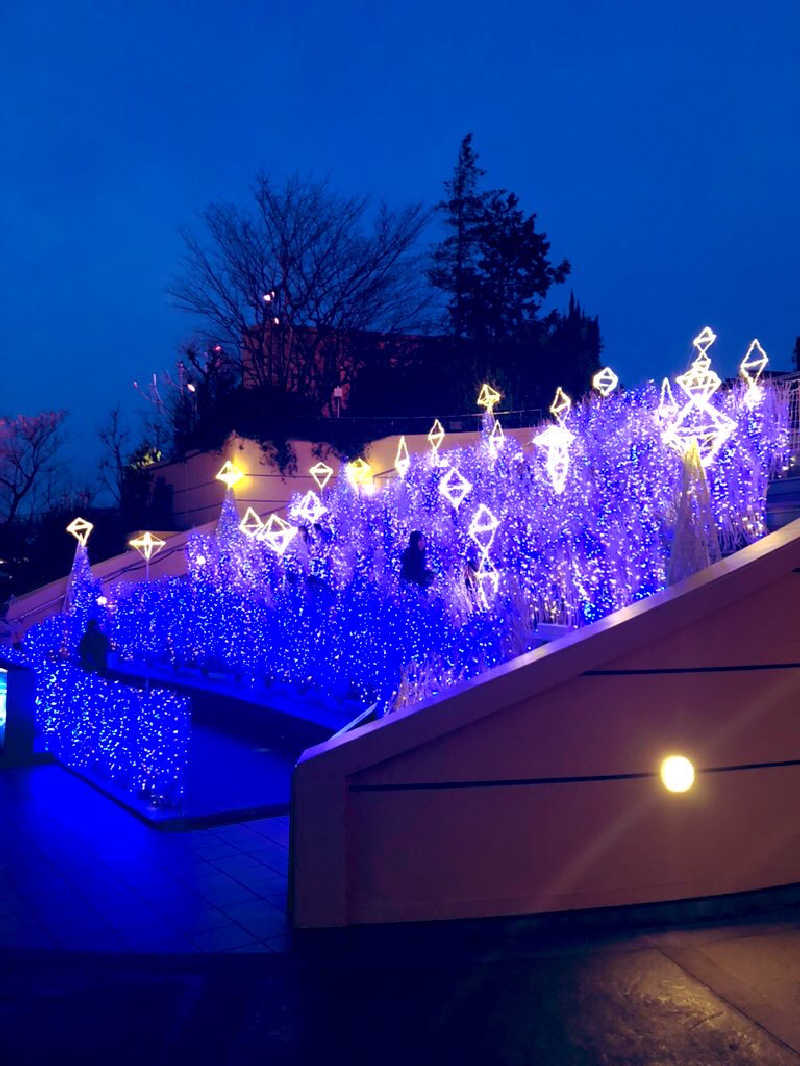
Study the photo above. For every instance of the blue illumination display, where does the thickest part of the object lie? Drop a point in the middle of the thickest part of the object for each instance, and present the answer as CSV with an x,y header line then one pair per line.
x,y
333,614
3,696
137,739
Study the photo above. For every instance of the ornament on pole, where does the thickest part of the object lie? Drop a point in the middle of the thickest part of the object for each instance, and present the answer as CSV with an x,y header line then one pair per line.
x,y
147,545
488,398
455,487
251,523
697,421
402,460
81,529
556,439
229,474
321,473
750,369
561,405
605,381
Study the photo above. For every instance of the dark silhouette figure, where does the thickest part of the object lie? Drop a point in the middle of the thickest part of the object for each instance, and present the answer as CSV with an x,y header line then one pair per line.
x,y
412,562
93,648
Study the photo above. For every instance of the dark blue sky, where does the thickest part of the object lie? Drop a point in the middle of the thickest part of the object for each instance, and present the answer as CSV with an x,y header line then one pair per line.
x,y
657,143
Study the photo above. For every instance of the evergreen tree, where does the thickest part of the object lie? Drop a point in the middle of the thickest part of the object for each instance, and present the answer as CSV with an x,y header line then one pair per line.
x,y
455,259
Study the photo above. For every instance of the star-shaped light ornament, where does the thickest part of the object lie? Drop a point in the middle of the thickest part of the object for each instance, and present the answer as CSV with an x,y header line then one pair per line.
x,y
750,369
81,529
277,533
561,405
488,398
251,523
310,508
359,474
556,439
455,487
402,460
702,425
321,473
229,474
605,381
147,545
482,528
497,439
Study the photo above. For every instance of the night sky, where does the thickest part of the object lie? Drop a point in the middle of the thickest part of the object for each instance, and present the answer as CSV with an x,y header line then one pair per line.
x,y
657,144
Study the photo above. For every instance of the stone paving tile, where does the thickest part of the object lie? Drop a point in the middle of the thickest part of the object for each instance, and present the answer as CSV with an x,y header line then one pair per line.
x,y
259,918
276,829
228,938
223,891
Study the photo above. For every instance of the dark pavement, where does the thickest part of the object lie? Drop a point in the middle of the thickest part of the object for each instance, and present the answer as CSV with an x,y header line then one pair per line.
x,y
120,943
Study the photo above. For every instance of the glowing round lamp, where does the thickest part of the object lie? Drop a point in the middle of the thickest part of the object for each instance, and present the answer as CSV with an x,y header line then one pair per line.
x,y
677,773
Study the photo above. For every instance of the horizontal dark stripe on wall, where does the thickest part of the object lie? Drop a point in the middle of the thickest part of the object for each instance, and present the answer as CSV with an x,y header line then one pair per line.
x,y
748,667
514,782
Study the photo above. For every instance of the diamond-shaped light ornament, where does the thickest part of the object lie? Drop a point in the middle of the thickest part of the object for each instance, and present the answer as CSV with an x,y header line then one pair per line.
x,y
147,545
488,398
402,460
605,381
488,580
702,342
435,437
277,533
497,439
482,528
251,524
699,382
321,473
229,474
80,528
704,426
751,368
454,487
310,509
556,439
560,406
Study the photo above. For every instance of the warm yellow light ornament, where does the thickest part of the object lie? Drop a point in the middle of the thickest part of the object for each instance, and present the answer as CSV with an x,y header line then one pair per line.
x,y
488,398
561,405
229,474
81,529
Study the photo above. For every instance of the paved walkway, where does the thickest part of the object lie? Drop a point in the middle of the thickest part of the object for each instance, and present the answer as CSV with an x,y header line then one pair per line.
x,y
120,943
77,872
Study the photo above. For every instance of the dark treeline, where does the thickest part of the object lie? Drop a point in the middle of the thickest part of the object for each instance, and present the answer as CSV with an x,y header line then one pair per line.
x,y
307,305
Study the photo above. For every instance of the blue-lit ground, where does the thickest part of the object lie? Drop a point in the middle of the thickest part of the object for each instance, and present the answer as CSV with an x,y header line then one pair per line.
x,y
120,943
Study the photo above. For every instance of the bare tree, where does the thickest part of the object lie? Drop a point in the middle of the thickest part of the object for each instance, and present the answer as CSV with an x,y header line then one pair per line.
x,y
29,466
289,282
116,440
